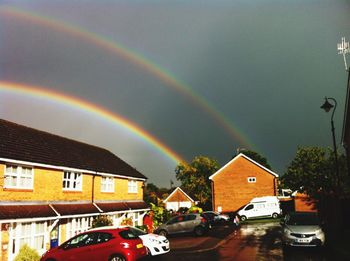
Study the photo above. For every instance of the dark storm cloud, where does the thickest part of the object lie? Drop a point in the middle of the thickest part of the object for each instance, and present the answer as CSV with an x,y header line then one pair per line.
x,y
265,65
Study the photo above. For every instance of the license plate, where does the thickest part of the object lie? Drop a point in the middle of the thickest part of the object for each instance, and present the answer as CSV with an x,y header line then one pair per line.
x,y
139,246
303,240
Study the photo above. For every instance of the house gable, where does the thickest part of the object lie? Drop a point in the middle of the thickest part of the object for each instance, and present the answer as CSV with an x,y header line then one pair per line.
x,y
221,170
178,195
239,181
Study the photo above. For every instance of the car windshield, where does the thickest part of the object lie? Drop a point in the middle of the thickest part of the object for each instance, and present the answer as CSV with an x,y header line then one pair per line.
x,y
137,232
131,233
305,219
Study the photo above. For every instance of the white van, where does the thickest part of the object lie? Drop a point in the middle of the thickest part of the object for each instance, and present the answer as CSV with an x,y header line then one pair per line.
x,y
268,206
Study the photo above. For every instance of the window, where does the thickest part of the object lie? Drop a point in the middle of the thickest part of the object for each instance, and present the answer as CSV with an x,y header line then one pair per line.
x,y
78,225
18,177
132,186
72,181
107,184
251,179
31,234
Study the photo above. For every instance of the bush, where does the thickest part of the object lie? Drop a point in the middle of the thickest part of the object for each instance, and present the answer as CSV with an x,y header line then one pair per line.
x,y
27,254
102,221
160,215
195,209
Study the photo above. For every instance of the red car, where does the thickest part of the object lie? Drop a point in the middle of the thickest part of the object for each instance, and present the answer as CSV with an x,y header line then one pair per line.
x,y
112,244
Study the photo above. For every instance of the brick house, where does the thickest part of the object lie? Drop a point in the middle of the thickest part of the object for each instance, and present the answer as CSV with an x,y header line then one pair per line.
x,y
239,181
177,199
52,187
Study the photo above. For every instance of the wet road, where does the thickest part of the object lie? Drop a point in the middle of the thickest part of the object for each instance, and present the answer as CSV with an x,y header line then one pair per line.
x,y
258,241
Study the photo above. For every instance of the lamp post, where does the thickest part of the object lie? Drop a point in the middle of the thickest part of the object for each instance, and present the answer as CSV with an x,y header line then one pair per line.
x,y
327,106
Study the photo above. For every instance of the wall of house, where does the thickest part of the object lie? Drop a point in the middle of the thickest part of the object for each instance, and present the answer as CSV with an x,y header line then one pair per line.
x,y
48,187
231,189
178,196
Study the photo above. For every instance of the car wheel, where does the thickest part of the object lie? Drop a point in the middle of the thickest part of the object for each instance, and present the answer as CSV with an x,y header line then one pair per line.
x,y
243,218
163,233
274,215
117,258
199,231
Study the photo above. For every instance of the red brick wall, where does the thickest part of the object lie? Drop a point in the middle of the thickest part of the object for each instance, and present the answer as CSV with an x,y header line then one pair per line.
x,y
178,196
231,189
303,202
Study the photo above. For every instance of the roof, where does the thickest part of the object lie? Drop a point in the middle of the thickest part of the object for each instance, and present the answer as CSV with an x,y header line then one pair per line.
x,y
174,191
21,143
247,158
63,210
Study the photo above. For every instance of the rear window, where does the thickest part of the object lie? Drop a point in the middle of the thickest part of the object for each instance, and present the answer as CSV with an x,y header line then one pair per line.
x,y
131,233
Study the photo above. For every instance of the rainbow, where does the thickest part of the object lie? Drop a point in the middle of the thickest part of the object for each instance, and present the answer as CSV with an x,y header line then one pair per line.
x,y
40,92
134,58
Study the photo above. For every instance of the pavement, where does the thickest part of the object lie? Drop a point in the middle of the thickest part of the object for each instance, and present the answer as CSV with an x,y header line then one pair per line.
x,y
216,236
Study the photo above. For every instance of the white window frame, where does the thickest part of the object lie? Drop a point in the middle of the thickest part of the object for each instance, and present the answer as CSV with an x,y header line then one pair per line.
x,y
132,186
251,179
107,184
74,181
19,175
78,225
18,237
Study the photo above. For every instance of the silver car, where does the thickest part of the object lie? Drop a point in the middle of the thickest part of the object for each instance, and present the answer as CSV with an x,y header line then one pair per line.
x,y
195,223
302,229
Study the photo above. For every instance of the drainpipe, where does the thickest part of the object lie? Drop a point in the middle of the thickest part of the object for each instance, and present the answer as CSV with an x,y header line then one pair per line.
x,y
93,188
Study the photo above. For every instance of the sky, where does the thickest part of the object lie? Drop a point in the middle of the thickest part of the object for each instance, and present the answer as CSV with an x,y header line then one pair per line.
x,y
160,81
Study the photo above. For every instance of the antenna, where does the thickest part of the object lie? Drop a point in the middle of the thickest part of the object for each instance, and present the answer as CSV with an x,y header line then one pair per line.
x,y
343,49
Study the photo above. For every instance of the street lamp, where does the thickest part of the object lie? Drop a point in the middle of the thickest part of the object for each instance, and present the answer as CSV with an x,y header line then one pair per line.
x,y
327,106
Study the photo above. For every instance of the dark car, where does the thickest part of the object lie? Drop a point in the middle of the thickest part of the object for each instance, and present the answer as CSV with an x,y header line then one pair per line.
x,y
195,223
215,217
113,244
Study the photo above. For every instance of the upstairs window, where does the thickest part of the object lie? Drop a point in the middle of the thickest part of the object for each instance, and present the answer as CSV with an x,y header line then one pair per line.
x,y
72,181
107,184
251,179
18,177
132,186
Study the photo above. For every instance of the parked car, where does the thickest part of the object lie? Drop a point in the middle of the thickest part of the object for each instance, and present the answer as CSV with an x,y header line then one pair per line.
x,y
195,223
261,207
104,244
302,229
215,217
155,244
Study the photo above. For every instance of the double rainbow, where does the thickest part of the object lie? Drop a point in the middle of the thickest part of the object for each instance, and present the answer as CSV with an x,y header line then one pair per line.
x,y
134,58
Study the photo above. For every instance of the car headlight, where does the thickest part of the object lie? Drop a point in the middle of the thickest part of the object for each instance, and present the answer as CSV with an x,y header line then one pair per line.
x,y
286,231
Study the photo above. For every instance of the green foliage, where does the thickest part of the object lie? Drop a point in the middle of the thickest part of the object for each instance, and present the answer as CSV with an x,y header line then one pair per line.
x,y
101,221
195,209
194,177
313,171
27,254
160,215
256,157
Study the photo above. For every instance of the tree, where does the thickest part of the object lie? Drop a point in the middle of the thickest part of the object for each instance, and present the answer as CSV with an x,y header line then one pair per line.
x,y
150,193
256,157
194,177
312,171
